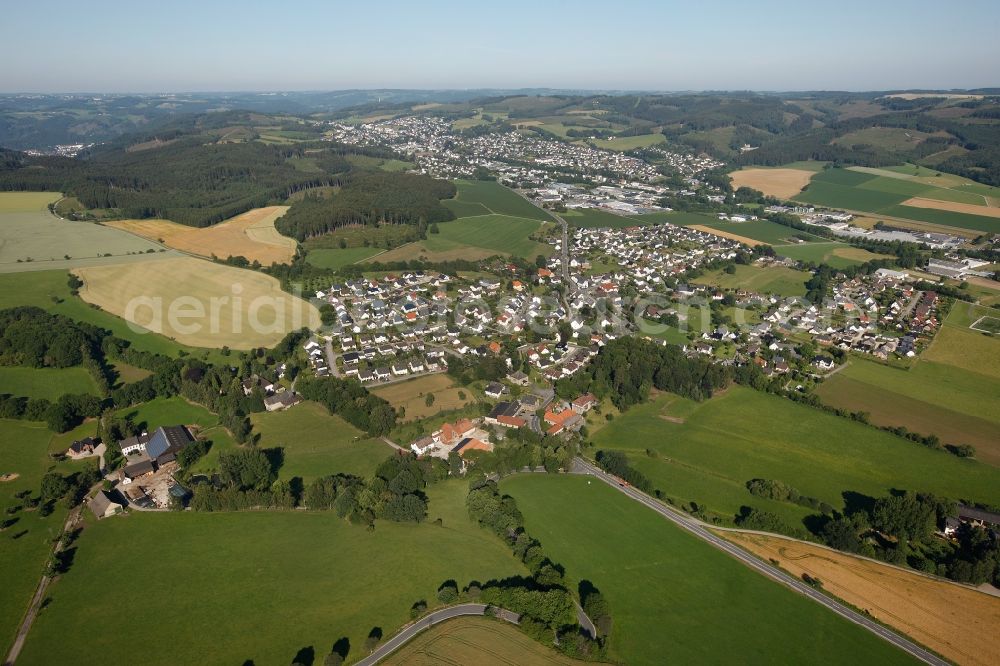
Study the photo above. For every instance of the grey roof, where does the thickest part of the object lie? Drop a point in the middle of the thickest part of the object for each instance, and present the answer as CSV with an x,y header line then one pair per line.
x,y
138,468
167,439
101,502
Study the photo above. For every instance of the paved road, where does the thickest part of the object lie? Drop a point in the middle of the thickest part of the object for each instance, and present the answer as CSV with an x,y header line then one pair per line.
x,y
408,632
699,529
331,359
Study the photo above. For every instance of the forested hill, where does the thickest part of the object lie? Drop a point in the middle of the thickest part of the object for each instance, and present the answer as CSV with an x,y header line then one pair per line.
x,y
196,171
370,198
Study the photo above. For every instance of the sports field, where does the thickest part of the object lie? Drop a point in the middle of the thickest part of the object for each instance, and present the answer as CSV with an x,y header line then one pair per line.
x,y
48,383
197,302
316,443
33,239
476,640
411,395
250,234
673,598
777,280
953,620
833,253
267,584
782,183
743,434
48,290
892,194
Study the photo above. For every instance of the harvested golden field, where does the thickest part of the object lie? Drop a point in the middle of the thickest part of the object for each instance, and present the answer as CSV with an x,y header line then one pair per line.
x,y
952,206
475,640
959,622
411,395
725,234
197,302
781,183
251,235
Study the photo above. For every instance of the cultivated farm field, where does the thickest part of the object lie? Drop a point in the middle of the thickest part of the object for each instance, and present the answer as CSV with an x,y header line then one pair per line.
x,y
673,598
49,290
33,239
783,183
255,313
953,620
250,234
710,452
268,583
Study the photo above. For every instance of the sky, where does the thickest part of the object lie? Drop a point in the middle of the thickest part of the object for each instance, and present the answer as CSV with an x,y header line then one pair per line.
x,y
264,45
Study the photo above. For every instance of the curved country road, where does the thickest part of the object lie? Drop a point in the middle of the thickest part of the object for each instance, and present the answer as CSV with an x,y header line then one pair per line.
x,y
700,530
411,630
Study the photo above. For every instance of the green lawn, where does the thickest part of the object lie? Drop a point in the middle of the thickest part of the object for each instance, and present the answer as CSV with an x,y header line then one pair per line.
x,y
48,383
495,198
317,443
339,258
25,545
256,585
777,280
49,291
170,411
673,598
744,434
501,233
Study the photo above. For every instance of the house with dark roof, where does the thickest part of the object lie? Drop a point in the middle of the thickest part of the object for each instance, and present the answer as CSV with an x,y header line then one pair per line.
x,y
82,447
282,400
134,444
166,443
136,470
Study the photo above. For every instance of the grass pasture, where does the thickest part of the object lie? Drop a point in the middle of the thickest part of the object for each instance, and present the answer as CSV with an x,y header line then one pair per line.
x,y
743,434
624,143
675,599
189,308
929,398
833,253
48,383
951,619
33,239
500,234
316,443
250,234
267,583
777,280
475,640
496,198
411,395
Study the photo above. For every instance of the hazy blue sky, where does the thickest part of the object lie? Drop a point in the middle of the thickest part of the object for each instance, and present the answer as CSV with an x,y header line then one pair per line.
x,y
188,45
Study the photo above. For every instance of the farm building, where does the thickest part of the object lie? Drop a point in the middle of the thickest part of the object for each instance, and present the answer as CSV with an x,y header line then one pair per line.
x,y
104,505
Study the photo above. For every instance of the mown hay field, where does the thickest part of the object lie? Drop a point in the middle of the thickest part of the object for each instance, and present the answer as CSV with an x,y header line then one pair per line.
x,y
250,234
955,621
197,302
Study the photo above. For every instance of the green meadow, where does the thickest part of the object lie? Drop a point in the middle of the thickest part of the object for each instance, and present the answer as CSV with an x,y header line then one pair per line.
x,y
624,143
833,253
316,443
339,258
777,280
764,231
673,598
26,543
48,383
715,447
494,198
257,586
501,233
